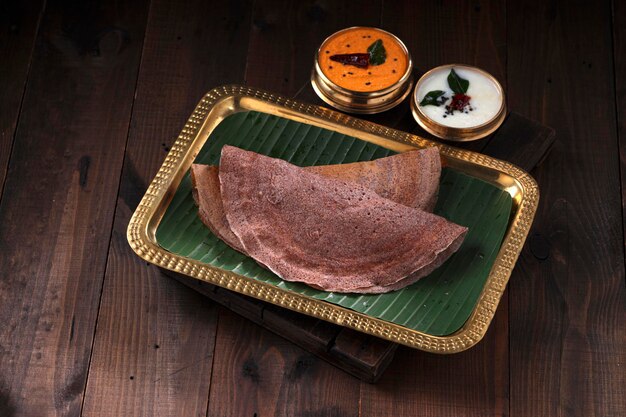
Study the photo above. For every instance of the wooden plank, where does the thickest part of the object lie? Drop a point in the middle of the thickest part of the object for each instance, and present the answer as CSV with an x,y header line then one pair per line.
x,y
59,198
370,353
18,28
258,372
470,383
473,383
568,296
521,141
153,350
619,57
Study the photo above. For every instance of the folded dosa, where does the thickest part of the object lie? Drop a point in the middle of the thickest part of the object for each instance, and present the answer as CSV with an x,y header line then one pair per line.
x,y
206,192
332,234
410,178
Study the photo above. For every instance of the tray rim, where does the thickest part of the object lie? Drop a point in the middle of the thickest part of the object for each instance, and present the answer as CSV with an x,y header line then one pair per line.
x,y
142,226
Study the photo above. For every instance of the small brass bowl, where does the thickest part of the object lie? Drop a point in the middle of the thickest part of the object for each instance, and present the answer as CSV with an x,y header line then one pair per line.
x,y
458,134
362,102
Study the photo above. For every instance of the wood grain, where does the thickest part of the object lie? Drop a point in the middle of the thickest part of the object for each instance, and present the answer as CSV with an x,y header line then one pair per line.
x,y
522,141
153,350
619,56
19,22
154,345
256,372
568,299
57,210
471,383
475,382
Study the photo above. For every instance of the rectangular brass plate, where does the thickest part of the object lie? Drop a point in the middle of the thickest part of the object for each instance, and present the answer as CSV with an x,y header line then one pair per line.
x,y
438,304
223,102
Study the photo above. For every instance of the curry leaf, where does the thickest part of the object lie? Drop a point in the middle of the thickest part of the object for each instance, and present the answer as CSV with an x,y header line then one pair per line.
x,y
456,83
432,98
378,54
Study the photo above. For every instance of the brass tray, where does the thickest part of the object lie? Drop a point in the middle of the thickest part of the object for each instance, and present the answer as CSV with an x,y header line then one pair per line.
x,y
221,102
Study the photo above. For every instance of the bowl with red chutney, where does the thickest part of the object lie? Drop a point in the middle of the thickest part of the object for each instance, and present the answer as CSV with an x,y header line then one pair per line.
x,y
362,70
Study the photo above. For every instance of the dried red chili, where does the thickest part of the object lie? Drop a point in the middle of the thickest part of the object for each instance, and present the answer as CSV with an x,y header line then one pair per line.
x,y
358,60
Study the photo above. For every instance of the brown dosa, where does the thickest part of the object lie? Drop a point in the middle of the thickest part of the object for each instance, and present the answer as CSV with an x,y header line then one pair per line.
x,y
331,234
410,178
206,192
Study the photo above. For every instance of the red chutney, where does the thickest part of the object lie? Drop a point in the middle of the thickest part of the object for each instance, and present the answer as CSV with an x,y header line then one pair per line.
x,y
371,78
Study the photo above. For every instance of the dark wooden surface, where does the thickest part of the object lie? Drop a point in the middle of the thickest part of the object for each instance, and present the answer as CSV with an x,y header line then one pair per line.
x,y
92,94
363,356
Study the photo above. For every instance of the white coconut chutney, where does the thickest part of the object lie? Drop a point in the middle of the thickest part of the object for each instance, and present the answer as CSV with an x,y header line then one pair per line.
x,y
485,98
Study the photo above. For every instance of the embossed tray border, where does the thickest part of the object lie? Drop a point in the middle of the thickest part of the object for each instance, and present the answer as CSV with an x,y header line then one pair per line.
x,y
141,228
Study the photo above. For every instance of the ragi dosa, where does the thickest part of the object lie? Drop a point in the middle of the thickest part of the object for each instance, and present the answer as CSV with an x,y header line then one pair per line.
x,y
410,178
331,234
206,192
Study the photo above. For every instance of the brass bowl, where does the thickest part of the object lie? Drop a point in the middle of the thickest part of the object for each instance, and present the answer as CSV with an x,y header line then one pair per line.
x,y
458,134
362,102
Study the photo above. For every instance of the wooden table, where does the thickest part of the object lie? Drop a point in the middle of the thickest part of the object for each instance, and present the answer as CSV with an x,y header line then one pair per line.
x,y
92,95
